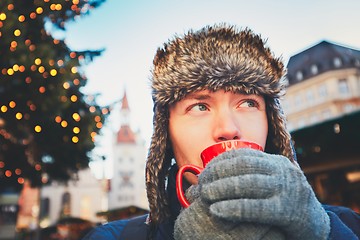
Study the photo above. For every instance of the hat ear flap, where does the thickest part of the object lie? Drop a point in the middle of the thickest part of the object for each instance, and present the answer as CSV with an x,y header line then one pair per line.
x,y
157,166
278,139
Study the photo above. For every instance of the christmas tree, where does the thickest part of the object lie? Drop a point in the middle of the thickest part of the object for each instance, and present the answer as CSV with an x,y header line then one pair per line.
x,y
47,125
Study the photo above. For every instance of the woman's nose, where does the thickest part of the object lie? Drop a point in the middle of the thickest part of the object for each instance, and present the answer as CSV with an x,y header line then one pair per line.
x,y
226,127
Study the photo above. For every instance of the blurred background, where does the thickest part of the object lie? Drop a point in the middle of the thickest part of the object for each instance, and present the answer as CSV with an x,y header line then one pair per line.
x,y
76,108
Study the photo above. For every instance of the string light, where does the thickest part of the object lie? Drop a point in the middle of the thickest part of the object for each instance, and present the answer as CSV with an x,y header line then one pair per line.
x,y
75,139
12,104
41,69
21,18
18,171
73,98
63,98
8,173
4,108
17,33
37,61
37,167
39,10
21,180
32,15
17,38
13,44
58,119
42,89
32,47
18,116
37,128
11,7
76,117
10,71
53,72
2,16
66,85
64,123
76,130
104,111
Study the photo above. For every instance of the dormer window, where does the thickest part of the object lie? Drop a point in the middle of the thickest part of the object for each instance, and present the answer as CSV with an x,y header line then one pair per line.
x,y
314,69
299,76
357,62
337,62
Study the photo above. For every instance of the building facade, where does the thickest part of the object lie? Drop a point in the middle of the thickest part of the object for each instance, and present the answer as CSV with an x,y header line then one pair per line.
x,y
323,83
82,198
322,105
127,187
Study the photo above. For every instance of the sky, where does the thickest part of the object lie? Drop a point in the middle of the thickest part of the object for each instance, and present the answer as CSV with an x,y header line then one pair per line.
x,y
131,31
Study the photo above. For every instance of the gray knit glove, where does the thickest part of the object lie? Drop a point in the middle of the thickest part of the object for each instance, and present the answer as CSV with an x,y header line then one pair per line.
x,y
246,185
195,222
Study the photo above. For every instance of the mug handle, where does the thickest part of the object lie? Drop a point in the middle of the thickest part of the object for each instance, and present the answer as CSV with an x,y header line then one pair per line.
x,y
179,182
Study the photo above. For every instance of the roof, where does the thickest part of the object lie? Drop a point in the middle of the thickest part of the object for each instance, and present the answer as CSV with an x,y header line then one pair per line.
x,y
125,103
125,135
324,56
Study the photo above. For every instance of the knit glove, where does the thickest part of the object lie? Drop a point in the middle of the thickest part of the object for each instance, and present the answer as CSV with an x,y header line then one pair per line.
x,y
196,222
246,185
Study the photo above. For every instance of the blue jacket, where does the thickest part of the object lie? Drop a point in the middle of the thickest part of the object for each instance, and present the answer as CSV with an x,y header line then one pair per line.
x,y
345,223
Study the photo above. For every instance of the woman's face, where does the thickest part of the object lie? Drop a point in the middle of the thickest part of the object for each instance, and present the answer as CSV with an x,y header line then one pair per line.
x,y
204,118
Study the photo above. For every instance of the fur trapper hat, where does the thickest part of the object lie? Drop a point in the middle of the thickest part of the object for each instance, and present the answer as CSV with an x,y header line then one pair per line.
x,y
215,57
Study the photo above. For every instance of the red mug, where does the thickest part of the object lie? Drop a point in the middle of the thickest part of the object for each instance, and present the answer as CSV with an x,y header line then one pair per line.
x,y
206,156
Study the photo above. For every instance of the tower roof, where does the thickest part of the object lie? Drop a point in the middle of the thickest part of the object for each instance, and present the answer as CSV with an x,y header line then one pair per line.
x,y
125,134
125,103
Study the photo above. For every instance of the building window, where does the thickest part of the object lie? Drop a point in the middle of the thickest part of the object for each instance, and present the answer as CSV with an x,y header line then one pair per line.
x,y
126,198
290,126
326,114
343,86
126,179
85,207
298,100
310,96
301,123
314,118
44,208
323,91
314,69
357,63
285,105
66,205
337,62
348,108
299,76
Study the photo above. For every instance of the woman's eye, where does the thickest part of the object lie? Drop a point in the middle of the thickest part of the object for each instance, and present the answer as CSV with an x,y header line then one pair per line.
x,y
199,107
249,103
